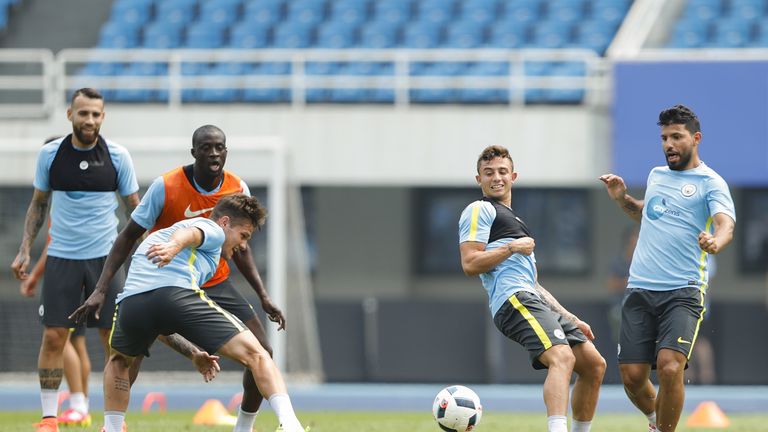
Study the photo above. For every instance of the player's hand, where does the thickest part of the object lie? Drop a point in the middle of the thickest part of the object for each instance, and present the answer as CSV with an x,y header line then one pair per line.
x,y
162,253
28,287
708,243
206,364
524,245
93,304
20,264
585,328
273,313
615,186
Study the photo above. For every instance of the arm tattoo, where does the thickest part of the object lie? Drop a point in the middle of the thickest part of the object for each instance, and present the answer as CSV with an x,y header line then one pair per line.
x,y
181,345
631,208
50,379
35,219
122,384
553,304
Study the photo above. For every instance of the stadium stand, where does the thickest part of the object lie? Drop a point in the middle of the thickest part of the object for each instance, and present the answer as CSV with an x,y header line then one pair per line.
x,y
721,24
391,24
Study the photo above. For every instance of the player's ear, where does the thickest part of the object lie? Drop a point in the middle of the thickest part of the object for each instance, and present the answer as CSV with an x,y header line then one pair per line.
x,y
477,179
69,113
514,176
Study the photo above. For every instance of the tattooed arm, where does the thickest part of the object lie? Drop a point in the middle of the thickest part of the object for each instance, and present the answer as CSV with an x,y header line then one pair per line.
x,y
206,364
553,304
38,209
617,190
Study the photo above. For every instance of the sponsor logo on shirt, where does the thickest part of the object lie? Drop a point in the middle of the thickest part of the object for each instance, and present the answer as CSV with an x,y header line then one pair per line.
x,y
189,213
657,207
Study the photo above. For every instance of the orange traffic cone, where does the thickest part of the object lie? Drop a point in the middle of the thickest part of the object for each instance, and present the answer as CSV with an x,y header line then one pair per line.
x,y
213,413
708,415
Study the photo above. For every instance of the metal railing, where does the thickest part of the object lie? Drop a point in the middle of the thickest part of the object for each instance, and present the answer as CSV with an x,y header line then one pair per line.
x,y
66,71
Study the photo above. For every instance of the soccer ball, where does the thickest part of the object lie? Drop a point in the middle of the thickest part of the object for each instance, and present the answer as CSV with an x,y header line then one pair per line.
x,y
457,409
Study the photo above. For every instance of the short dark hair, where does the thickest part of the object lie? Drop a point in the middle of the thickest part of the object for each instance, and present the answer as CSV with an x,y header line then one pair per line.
x,y
494,151
680,114
206,129
90,93
241,206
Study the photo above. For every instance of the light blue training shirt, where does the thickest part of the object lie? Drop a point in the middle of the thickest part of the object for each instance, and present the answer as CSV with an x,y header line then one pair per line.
x,y
190,268
678,206
84,224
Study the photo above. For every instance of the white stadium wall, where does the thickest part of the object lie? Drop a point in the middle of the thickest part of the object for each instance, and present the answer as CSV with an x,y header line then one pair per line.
x,y
351,145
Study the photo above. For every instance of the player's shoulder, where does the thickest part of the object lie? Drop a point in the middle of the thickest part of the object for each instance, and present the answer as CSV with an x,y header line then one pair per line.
x,y
51,147
710,175
480,205
116,149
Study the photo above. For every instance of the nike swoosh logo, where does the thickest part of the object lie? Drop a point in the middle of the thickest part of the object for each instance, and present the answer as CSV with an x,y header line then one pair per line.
x,y
683,341
188,213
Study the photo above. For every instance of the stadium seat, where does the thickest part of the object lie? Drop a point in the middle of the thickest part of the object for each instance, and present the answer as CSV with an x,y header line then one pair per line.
x,y
307,12
349,11
378,35
506,34
704,9
162,35
140,69
392,11
550,35
422,35
610,11
522,11
481,12
466,34
248,36
175,12
221,95
566,95
594,35
436,11
336,35
292,35
566,11
204,35
731,33
263,12
219,12
134,13
536,69
118,35
747,9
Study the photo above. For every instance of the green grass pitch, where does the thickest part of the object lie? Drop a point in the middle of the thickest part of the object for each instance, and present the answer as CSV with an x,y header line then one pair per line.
x,y
371,422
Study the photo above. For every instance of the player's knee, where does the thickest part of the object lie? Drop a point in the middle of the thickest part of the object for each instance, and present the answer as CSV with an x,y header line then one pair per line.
x,y
254,355
670,369
562,357
598,366
54,339
632,378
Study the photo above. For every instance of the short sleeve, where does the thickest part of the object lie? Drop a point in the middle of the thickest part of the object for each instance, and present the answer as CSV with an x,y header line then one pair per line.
x,y
246,189
43,167
214,235
719,198
126,175
151,205
475,222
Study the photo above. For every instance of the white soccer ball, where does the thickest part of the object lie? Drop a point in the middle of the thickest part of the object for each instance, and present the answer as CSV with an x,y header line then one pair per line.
x,y
457,409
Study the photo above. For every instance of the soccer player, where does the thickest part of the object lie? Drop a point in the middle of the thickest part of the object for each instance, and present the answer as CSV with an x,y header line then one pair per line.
x,y
497,245
77,363
664,301
190,191
162,296
80,174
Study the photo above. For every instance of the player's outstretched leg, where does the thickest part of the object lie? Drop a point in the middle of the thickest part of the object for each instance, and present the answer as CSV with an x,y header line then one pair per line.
x,y
639,389
590,369
245,348
559,360
252,397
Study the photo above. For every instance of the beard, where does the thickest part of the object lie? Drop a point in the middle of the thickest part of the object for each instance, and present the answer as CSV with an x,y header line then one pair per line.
x,y
85,139
682,161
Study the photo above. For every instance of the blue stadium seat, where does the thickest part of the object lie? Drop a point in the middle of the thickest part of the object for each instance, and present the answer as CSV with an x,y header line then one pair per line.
x,y
270,94
537,69
118,35
522,11
162,35
307,12
248,36
175,12
378,35
704,10
466,34
101,69
480,12
610,11
393,11
221,95
336,35
567,95
747,9
317,94
731,33
436,11
761,34
490,95
508,34
292,35
135,13
550,35
594,35
566,11
144,69
204,35
263,12
219,12
689,33
349,11
421,35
